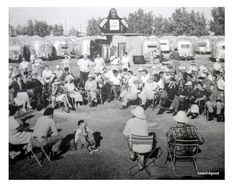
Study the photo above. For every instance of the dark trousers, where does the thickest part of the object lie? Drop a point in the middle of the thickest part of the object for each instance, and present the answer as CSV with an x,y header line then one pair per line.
x,y
83,78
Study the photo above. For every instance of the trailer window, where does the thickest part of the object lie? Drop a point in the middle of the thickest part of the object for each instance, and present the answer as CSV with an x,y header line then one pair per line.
x,y
14,48
185,46
202,44
152,46
163,43
64,46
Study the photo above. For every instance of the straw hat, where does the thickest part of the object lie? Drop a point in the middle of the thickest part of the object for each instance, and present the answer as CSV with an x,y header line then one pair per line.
x,y
181,117
189,83
220,84
138,112
91,76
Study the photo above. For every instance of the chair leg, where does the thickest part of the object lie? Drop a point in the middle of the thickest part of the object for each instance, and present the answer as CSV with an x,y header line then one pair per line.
x,y
46,154
195,165
36,158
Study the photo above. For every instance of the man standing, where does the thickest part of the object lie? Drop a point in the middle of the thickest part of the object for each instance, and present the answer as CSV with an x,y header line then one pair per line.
x,y
84,68
99,64
46,133
175,57
125,61
24,65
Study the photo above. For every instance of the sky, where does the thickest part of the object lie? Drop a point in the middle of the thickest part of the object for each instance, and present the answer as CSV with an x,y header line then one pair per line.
x,y
78,17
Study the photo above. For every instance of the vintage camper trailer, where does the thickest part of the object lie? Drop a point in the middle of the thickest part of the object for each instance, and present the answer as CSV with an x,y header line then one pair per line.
x,y
139,48
218,49
93,45
60,46
15,49
165,43
204,45
185,46
75,42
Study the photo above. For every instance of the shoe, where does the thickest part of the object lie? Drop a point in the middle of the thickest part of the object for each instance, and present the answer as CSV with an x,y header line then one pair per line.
x,y
174,113
160,111
210,116
91,151
96,149
123,107
169,111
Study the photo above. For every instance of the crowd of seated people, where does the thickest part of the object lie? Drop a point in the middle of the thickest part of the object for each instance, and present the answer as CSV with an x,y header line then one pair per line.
x,y
195,89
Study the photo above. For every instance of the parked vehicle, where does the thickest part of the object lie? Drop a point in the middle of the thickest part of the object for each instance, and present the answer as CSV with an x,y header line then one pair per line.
x,y
15,49
185,46
218,49
165,43
60,46
204,45
94,45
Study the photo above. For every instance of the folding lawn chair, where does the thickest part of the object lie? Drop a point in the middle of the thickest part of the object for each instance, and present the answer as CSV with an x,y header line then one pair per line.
x,y
32,146
182,145
149,156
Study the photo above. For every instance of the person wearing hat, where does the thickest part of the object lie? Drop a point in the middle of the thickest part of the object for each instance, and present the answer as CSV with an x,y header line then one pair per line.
x,y
66,61
91,89
45,133
168,93
150,88
115,82
175,59
58,72
46,75
131,90
18,134
216,67
137,125
183,130
72,91
217,100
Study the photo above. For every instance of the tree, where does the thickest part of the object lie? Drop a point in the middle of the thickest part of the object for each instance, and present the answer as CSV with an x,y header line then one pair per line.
x,y
41,28
73,32
12,31
140,22
93,26
58,30
217,24
30,28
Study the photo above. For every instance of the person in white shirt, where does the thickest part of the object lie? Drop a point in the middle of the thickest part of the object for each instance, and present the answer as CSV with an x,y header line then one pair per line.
x,y
24,65
17,135
115,84
148,91
125,61
58,72
46,75
66,61
144,76
216,67
84,68
130,93
99,64
46,133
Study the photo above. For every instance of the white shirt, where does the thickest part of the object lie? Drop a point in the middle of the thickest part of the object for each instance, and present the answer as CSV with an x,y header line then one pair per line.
x,y
99,62
46,75
217,66
84,65
160,84
125,61
24,65
144,78
115,80
15,136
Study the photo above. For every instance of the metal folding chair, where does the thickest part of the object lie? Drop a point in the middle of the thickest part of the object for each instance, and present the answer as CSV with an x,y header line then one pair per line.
x,y
149,156
30,149
183,151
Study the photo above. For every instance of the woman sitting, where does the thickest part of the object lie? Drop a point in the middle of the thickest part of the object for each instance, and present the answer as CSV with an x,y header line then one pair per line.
x,y
73,92
91,88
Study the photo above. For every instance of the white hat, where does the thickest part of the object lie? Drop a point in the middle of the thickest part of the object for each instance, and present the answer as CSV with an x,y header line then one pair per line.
x,y
91,76
138,112
189,83
203,75
57,66
181,117
140,69
220,84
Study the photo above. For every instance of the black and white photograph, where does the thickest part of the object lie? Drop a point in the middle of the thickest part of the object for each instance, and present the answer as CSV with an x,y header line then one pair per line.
x,y
116,93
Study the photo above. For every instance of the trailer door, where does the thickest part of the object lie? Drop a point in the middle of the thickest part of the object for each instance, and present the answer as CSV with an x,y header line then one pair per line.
x,y
121,49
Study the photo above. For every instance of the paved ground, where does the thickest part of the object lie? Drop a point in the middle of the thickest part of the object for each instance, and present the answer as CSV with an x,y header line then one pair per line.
x,y
112,161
